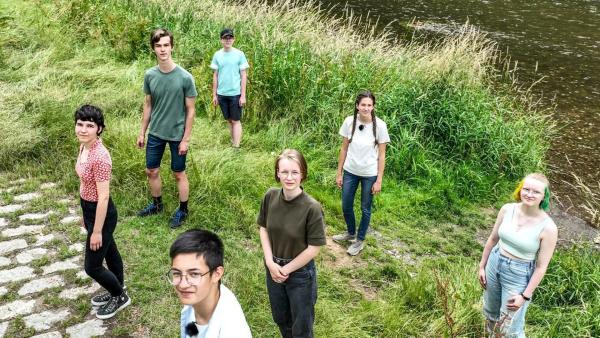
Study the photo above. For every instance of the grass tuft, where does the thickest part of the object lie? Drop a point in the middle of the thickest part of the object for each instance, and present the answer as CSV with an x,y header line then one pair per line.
x,y
459,141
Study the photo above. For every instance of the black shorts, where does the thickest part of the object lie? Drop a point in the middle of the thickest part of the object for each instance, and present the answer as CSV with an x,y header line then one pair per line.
x,y
230,106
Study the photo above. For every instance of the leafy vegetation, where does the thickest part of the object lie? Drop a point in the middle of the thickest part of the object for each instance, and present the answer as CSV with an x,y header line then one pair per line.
x,y
459,141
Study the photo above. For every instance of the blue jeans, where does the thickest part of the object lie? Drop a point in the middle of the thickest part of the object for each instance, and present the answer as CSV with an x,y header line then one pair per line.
x,y
293,302
349,186
155,148
506,277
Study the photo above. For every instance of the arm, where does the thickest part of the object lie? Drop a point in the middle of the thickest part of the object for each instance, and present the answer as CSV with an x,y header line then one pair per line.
x,y
302,259
190,108
548,241
489,245
276,271
145,120
341,160
215,102
244,77
103,195
380,167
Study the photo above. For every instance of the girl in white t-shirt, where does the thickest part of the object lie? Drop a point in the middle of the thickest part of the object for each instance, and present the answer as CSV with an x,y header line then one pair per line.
x,y
361,160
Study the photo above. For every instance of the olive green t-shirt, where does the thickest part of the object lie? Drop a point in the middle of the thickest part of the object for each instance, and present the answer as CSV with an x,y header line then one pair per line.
x,y
292,225
168,92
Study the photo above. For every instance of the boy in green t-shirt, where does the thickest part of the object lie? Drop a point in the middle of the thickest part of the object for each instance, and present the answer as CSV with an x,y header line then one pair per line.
x,y
169,111
229,84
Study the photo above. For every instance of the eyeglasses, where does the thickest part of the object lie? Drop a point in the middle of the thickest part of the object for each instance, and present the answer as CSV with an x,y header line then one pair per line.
x,y
192,278
294,173
228,37
528,191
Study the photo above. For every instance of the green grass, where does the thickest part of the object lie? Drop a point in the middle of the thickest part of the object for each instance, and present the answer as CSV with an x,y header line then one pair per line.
x,y
459,141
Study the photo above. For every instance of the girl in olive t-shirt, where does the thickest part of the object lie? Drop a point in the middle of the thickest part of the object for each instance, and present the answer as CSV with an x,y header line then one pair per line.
x,y
291,233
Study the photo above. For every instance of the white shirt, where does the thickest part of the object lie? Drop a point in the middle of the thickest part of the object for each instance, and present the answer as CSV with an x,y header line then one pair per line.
x,y
227,320
363,153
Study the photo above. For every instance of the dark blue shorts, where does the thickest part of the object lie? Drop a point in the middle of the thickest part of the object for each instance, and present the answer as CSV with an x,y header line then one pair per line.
x,y
155,147
230,106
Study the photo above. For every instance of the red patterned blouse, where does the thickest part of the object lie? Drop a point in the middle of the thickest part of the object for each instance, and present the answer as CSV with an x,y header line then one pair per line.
x,y
97,168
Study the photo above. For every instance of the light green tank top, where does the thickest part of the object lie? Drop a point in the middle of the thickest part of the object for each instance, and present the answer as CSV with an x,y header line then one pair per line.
x,y
524,243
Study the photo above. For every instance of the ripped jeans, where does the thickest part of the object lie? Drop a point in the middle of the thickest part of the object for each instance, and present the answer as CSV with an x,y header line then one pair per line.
x,y
505,277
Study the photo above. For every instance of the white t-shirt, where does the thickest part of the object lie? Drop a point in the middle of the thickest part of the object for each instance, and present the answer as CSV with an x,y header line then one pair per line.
x,y
361,159
227,320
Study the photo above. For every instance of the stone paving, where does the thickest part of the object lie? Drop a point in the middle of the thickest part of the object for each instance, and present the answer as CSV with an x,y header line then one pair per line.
x,y
43,290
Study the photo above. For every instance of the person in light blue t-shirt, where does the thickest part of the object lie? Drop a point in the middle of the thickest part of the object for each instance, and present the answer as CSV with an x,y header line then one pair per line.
x,y
229,84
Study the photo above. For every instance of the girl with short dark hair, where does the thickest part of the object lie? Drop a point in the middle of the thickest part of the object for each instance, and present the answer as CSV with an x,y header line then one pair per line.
x,y
94,167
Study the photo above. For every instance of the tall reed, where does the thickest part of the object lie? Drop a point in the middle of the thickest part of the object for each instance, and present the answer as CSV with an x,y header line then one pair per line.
x,y
448,122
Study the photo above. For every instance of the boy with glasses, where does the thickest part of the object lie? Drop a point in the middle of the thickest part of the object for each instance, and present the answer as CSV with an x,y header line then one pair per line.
x,y
210,309
229,67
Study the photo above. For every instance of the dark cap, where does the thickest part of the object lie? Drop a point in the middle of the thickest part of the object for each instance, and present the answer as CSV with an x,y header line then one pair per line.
x,y
227,32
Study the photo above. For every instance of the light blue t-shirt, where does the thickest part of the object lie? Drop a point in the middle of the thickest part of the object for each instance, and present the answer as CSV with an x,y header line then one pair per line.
x,y
229,65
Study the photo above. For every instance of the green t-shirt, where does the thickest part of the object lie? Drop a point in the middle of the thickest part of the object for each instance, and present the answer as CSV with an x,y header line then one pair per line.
x,y
292,225
168,92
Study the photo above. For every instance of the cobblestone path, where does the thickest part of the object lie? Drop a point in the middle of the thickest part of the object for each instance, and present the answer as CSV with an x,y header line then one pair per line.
x,y
44,291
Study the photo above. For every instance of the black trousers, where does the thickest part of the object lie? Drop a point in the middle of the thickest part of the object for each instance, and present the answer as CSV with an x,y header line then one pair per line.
x,y
293,301
112,278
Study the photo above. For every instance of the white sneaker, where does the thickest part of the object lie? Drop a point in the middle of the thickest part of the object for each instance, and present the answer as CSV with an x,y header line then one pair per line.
x,y
342,237
355,248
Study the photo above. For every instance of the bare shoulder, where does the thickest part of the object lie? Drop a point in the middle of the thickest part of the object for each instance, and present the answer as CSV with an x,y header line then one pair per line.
x,y
550,232
504,208
550,227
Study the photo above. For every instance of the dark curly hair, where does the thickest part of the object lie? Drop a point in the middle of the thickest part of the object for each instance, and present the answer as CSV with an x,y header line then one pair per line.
x,y
89,112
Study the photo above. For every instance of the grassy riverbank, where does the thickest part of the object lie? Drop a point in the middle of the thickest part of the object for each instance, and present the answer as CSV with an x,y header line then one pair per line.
x,y
458,144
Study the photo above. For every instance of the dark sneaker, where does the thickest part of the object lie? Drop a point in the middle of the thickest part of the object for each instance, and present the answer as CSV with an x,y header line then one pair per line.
x,y
151,209
114,305
178,218
101,299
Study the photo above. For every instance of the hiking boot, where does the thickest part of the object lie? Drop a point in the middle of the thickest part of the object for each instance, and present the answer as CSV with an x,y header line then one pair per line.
x,y
101,299
151,209
342,237
355,247
178,217
114,305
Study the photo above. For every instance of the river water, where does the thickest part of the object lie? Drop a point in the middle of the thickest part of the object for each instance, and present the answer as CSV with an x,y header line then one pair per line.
x,y
555,44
